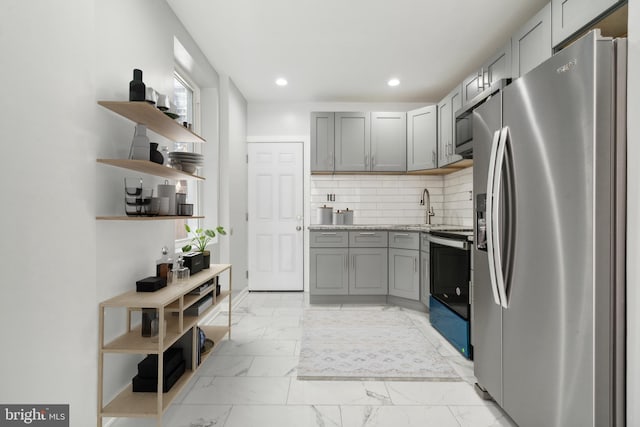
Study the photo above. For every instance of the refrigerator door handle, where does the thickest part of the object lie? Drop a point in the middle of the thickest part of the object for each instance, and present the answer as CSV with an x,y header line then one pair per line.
x,y
490,183
497,187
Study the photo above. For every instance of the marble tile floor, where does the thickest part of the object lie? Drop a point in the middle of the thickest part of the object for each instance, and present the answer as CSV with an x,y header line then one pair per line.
x,y
251,380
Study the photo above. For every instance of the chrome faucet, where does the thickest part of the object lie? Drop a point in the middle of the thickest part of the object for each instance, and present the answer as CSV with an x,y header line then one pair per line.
x,y
429,212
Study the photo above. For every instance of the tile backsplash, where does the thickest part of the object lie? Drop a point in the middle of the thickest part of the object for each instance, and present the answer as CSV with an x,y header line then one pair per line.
x,y
395,199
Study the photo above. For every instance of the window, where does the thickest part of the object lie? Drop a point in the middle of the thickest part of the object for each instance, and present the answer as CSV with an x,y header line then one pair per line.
x,y
186,98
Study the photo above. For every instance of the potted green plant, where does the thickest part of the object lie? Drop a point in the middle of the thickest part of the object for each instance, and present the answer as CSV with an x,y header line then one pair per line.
x,y
200,240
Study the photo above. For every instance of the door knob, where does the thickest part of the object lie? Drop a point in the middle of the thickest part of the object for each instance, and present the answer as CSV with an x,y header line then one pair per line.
x,y
298,228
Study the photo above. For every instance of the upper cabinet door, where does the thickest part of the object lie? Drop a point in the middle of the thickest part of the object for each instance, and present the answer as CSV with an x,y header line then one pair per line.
x,y
447,109
532,43
422,138
353,138
472,85
569,16
498,66
456,103
322,142
389,142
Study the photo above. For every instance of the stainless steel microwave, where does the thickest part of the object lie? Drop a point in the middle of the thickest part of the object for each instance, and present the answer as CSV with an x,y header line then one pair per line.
x,y
464,119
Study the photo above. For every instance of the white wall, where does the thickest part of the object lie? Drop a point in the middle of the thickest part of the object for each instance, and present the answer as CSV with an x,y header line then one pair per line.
x,y
378,199
633,218
458,201
233,179
60,59
48,312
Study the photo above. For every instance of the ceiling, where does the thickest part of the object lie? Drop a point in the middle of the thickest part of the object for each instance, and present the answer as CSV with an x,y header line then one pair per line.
x,y
346,50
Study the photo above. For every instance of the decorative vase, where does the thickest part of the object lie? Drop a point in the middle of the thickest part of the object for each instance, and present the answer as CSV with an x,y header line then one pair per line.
x,y
154,155
140,144
206,259
137,88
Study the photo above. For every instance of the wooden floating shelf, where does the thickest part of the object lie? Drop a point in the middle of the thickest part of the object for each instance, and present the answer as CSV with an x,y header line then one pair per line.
x,y
146,114
145,218
150,168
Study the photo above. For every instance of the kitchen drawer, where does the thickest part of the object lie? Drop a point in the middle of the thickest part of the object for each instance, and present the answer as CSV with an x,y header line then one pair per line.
x,y
424,242
329,239
404,240
368,239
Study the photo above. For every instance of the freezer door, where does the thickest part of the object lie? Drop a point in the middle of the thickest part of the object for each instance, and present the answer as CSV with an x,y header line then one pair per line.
x,y
561,154
487,320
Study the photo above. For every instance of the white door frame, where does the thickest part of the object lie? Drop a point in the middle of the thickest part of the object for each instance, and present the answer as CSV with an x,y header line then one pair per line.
x,y
305,141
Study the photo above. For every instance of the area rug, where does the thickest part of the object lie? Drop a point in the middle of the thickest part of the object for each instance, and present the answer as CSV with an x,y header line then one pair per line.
x,y
365,344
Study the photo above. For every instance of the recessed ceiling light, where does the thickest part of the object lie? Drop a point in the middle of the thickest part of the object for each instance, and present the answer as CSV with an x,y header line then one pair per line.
x,y
281,82
393,82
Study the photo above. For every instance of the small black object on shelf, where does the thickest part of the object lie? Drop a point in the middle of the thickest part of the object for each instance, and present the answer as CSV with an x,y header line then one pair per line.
x,y
150,284
137,88
154,155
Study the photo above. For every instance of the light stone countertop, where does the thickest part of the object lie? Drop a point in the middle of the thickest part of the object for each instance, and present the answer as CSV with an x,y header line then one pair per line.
x,y
389,227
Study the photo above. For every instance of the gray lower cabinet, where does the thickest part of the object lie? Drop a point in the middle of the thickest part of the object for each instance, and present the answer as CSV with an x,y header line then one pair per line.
x,y
348,263
404,260
425,271
352,142
532,43
447,109
368,271
322,141
422,138
388,142
569,16
329,271
404,276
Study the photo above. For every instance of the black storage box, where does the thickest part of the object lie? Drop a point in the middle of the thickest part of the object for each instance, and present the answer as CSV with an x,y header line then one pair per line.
x,y
194,261
148,368
142,384
150,284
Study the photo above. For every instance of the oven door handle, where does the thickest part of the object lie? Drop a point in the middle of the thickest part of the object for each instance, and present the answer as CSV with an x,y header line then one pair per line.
x,y
453,243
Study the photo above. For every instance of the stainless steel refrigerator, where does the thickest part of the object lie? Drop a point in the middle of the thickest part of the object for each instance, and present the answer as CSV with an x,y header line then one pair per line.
x,y
548,269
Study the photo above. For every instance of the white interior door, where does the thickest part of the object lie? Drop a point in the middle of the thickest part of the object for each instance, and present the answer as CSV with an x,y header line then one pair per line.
x,y
275,216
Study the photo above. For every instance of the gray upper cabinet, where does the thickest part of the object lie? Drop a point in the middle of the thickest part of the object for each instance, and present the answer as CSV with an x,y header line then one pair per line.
x,y
446,126
569,16
497,67
322,142
422,138
352,142
532,43
388,142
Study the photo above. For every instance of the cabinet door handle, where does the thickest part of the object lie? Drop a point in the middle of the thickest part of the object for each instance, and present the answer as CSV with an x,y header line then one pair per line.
x,y
346,262
328,234
433,157
479,79
415,265
367,234
402,234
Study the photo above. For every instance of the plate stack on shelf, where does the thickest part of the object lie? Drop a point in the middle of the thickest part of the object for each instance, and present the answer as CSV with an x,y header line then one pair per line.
x,y
187,162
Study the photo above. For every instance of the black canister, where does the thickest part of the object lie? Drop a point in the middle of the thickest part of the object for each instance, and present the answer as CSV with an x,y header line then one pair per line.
x,y
137,88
